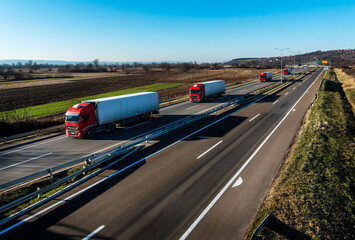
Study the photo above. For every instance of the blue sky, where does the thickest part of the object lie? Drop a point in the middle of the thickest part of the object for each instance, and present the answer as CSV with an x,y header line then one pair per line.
x,y
202,31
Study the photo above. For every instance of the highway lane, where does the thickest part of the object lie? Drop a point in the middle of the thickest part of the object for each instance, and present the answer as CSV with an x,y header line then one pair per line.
x,y
162,197
231,213
38,155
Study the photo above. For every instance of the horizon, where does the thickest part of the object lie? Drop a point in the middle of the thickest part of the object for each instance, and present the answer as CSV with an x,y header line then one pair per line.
x,y
115,31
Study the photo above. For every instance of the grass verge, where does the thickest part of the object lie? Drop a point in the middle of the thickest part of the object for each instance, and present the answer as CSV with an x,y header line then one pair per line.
x,y
60,107
348,84
313,192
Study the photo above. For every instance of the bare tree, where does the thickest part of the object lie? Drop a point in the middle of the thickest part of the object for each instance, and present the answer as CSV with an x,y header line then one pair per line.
x,y
146,67
165,66
96,63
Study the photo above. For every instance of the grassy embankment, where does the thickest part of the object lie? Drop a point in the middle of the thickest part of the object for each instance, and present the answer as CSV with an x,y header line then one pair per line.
x,y
60,107
314,191
348,86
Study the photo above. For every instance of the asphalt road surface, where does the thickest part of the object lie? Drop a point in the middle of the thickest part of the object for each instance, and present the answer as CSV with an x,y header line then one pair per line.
x,y
37,155
204,181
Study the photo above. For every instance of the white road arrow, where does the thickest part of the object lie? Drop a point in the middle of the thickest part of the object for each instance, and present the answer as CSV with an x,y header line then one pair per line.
x,y
238,182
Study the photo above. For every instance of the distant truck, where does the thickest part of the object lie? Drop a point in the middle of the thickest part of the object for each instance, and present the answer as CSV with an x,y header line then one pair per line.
x,y
265,76
203,91
287,71
85,119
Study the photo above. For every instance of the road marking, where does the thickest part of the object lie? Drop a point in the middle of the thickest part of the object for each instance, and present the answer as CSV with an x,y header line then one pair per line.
x,y
219,195
293,110
32,146
242,90
275,102
137,125
294,88
254,117
286,93
24,161
94,232
238,182
209,149
299,84
192,107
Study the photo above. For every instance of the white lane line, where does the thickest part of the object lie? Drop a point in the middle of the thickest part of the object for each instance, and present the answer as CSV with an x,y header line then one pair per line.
x,y
94,232
192,107
286,93
299,84
210,149
254,117
238,182
24,161
294,88
213,202
275,102
242,90
17,150
136,125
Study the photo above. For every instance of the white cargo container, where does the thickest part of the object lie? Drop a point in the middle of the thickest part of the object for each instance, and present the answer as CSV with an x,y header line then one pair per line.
x,y
113,109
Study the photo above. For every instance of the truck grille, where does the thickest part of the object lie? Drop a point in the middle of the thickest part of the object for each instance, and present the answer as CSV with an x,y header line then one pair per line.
x,y
71,127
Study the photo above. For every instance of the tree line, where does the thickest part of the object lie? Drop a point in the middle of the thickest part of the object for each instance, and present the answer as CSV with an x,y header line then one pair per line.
x,y
23,71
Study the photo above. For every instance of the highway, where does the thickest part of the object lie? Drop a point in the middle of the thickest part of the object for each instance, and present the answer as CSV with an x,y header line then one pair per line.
x,y
204,181
40,154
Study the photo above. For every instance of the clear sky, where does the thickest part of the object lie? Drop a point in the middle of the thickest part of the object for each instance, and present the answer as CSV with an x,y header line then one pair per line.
x,y
202,31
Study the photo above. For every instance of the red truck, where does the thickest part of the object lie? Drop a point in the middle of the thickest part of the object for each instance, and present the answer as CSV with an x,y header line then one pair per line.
x,y
85,119
203,91
265,76
287,71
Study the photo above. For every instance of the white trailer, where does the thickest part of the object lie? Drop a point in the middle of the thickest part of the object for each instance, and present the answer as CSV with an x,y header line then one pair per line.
x,y
114,109
214,88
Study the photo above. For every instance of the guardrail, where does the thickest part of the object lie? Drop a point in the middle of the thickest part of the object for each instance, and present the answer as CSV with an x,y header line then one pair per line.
x,y
94,160
275,225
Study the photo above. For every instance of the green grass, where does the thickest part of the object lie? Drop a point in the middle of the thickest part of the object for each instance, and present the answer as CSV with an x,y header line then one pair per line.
x,y
314,192
60,107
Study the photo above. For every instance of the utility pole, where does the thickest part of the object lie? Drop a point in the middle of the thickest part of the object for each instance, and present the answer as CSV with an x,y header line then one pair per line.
x,y
294,62
281,49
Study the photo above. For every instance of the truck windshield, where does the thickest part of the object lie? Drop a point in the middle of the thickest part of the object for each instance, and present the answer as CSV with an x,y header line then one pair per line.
x,y
194,91
72,118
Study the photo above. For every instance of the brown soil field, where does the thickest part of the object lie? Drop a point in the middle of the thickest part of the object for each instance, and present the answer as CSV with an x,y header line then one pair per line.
x,y
54,90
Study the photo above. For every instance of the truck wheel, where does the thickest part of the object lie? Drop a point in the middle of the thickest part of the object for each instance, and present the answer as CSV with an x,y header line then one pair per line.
x,y
111,126
90,133
147,115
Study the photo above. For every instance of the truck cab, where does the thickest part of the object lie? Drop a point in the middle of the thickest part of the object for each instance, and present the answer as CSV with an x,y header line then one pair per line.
x,y
197,93
80,120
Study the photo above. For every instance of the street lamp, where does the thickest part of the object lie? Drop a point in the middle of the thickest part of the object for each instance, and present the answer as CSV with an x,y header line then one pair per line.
x,y
281,49
294,62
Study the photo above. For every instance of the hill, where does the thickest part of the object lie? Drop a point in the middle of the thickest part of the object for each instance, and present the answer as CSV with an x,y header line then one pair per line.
x,y
336,58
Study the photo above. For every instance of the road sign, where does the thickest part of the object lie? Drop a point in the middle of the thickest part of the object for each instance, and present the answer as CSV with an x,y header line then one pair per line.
x,y
324,61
